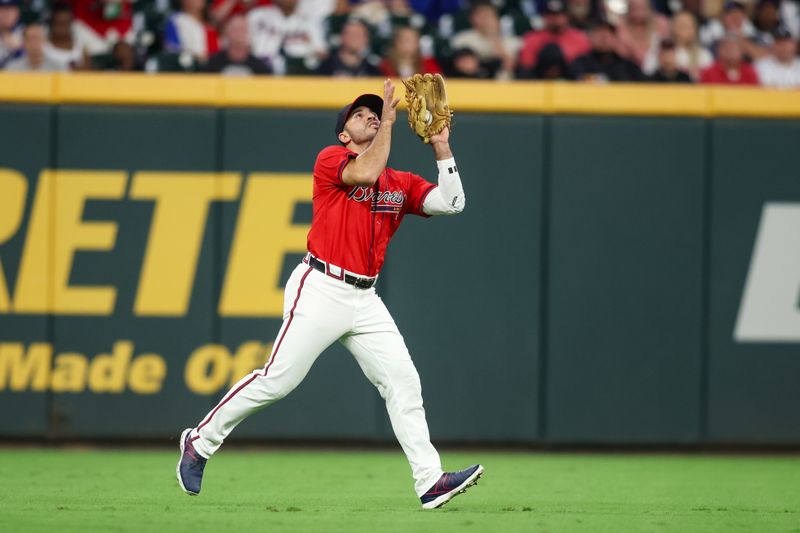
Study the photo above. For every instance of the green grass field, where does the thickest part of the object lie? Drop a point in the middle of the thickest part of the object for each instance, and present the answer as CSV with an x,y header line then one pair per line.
x,y
277,490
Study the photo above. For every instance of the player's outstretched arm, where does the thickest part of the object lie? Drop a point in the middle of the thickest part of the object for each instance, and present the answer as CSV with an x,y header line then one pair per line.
x,y
365,169
448,198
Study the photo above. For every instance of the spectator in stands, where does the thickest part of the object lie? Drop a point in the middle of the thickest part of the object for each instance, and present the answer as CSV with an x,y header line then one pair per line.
x,y
781,68
381,16
100,24
668,71
486,39
730,68
639,33
352,57
61,47
581,13
766,19
285,38
552,65
691,56
123,58
790,17
10,31
187,31
404,57
33,58
734,21
222,10
235,58
333,24
377,14
465,63
705,10
557,30
731,19
603,63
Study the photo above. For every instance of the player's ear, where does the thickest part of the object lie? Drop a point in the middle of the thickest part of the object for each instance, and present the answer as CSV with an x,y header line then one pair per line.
x,y
344,138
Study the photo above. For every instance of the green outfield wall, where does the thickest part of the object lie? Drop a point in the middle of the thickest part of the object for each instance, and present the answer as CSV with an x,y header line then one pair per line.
x,y
622,276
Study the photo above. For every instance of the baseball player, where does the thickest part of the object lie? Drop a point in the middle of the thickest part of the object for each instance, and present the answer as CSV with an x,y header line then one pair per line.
x,y
358,205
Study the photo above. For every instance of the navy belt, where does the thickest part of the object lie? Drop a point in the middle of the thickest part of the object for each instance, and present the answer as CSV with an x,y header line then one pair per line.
x,y
355,281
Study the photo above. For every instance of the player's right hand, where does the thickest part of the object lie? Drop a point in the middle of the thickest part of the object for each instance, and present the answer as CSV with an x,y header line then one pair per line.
x,y
389,114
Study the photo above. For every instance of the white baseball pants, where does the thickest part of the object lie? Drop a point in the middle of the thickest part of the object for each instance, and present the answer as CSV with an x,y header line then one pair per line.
x,y
318,310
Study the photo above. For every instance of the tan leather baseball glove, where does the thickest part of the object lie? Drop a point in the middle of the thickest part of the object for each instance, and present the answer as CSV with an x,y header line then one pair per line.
x,y
426,99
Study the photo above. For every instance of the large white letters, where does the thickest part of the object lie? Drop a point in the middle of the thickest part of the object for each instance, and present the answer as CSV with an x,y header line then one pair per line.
x,y
770,306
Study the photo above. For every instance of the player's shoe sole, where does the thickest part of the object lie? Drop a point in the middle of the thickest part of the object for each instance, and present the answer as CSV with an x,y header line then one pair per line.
x,y
444,498
178,468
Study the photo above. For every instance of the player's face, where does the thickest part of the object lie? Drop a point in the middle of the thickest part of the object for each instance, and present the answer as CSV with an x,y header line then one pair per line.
x,y
362,125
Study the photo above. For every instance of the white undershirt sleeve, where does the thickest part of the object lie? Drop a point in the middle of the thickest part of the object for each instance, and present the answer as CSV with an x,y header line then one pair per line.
x,y
448,198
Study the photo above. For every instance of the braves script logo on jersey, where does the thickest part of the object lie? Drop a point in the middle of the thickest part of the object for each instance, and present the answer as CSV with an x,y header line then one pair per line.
x,y
382,201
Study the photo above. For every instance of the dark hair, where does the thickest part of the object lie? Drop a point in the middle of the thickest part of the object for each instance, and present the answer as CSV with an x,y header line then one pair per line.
x,y
356,20
667,44
475,4
59,7
551,57
463,51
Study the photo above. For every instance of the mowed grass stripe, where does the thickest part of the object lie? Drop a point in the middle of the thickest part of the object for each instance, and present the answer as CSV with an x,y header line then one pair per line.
x,y
277,490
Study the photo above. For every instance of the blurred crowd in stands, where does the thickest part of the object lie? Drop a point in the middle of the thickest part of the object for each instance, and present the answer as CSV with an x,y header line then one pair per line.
x,y
753,42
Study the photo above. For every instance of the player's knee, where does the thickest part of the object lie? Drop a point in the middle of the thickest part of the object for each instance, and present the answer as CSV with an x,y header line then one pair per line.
x,y
284,389
381,389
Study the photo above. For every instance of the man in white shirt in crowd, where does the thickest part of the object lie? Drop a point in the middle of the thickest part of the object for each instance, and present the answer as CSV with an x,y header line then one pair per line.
x,y
61,45
733,20
286,37
33,58
782,67
485,37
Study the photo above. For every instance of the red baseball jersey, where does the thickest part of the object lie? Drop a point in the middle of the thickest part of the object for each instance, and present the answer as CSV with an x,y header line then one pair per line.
x,y
352,225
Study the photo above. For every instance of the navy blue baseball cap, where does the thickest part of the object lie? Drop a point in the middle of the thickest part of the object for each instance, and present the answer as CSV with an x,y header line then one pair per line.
x,y
731,5
372,101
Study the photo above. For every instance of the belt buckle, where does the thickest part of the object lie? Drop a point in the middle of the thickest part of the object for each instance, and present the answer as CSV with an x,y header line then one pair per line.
x,y
331,271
